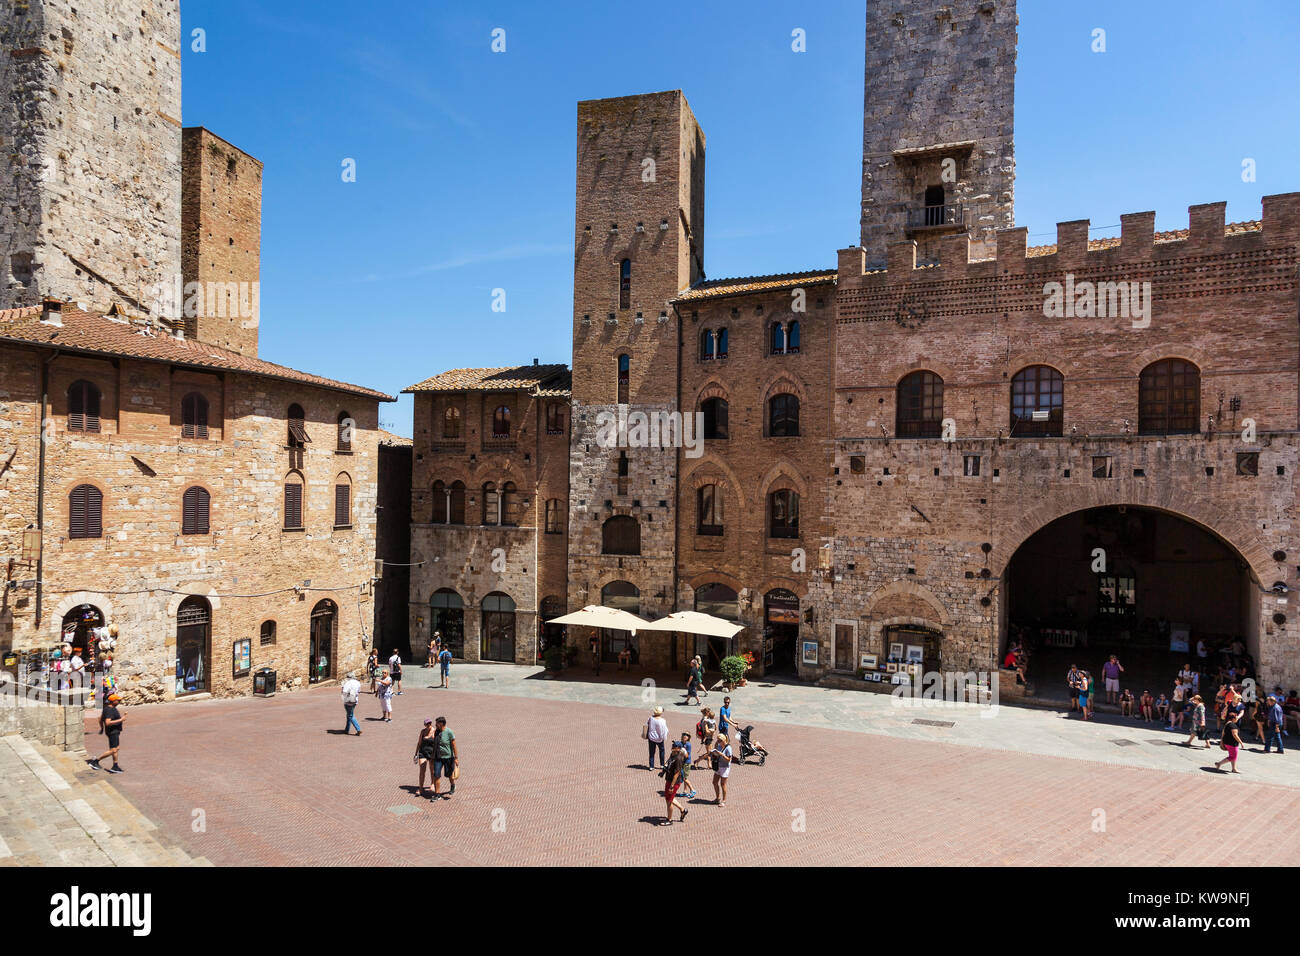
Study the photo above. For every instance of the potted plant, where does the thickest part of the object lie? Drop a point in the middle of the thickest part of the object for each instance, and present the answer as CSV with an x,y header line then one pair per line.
x,y
553,658
733,671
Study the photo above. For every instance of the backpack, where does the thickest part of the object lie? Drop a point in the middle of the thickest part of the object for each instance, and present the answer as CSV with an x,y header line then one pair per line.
x,y
699,728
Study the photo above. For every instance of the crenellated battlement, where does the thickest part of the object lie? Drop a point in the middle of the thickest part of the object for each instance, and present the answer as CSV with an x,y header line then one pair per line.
x,y
1207,234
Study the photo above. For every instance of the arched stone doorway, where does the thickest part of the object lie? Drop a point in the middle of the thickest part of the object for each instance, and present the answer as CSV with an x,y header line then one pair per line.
x,y
1153,587
447,617
320,650
780,632
498,638
549,635
193,646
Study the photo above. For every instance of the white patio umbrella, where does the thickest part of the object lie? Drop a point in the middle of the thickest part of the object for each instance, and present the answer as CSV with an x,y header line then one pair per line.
x,y
693,622
594,615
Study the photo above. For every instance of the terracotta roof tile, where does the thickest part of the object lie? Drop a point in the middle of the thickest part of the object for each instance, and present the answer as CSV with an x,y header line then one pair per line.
x,y
552,380
717,288
92,334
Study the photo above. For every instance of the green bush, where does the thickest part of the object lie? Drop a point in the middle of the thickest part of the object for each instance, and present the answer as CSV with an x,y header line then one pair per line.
x,y
553,657
733,669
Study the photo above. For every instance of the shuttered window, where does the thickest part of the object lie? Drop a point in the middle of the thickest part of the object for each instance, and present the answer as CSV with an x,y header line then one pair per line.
x,y
83,407
85,512
194,511
194,416
346,425
292,505
342,505
297,435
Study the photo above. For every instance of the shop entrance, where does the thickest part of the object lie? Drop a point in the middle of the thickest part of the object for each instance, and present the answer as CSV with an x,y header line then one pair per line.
x,y
83,628
781,632
320,651
193,646
549,635
1148,586
447,617
622,596
498,637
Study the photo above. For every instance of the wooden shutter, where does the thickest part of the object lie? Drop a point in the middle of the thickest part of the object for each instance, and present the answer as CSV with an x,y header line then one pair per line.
x,y
345,433
92,407
194,416
195,510
293,505
77,408
85,512
342,505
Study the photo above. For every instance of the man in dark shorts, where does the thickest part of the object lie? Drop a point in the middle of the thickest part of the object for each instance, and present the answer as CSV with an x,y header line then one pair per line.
x,y
672,783
395,669
445,757
113,727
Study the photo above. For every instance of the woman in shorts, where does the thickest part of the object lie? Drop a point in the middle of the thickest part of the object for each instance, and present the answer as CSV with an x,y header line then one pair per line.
x,y
384,691
708,731
1231,741
425,752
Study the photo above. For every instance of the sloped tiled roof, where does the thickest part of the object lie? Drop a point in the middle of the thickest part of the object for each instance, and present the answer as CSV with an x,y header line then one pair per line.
x,y
553,380
388,438
89,333
1173,235
716,288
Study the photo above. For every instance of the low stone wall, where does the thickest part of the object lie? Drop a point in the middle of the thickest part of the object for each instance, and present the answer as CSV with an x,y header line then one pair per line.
x,y
55,719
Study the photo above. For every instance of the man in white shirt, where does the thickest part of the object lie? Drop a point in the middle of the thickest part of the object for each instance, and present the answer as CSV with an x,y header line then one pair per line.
x,y
351,694
656,734
395,668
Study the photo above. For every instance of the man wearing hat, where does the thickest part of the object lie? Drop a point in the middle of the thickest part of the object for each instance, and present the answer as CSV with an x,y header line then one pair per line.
x,y
351,694
113,727
656,732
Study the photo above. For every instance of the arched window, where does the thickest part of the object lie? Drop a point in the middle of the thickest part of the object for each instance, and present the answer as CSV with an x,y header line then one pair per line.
x,y
195,509
85,512
920,406
792,337
715,418
555,516
342,502
491,504
297,438
293,503
783,416
555,418
625,284
783,513
1037,402
501,422
709,510
778,339
498,637
451,422
721,350
717,600
266,634
320,647
1169,398
441,496
620,534
457,502
624,470
708,349
509,504
83,407
624,378
194,416
346,427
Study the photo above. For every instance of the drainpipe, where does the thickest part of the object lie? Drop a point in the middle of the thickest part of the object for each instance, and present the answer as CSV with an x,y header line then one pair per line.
x,y
40,480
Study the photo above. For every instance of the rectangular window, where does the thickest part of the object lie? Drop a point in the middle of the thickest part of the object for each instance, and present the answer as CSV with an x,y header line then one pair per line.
x,y
1101,466
342,505
1248,463
293,506
970,465
554,517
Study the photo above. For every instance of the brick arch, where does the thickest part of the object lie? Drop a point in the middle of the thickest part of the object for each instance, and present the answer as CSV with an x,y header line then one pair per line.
x,y
783,469
1023,360
1202,360
699,475
609,577
713,387
896,373
795,585
713,577
781,383
1231,531
174,604
911,603
78,598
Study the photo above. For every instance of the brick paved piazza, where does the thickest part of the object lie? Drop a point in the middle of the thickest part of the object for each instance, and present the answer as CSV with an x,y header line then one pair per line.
x,y
558,767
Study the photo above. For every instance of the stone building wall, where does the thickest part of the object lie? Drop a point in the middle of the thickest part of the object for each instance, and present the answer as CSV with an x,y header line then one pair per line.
x,y
393,547
90,120
142,567
908,520
938,75
20,429
221,232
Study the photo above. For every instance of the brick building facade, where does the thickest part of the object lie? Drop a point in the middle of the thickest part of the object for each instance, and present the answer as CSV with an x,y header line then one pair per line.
x,y
929,445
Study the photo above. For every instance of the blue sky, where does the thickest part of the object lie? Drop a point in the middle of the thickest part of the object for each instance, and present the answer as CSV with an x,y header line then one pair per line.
x,y
465,157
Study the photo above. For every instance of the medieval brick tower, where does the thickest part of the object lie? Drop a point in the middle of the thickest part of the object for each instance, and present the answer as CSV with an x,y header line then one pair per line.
x,y
90,123
638,242
938,153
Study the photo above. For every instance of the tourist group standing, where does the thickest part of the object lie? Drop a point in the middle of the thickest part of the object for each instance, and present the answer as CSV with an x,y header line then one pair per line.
x,y
715,749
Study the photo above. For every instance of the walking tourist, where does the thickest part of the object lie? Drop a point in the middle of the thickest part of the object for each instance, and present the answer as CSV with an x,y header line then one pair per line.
x,y
384,691
432,657
113,719
1275,724
706,729
444,666
1176,704
446,758
722,758
1110,672
673,780
1081,693
685,744
1200,729
656,732
724,716
395,668
1072,682
351,694
108,685
1231,741
426,751
372,667
1092,693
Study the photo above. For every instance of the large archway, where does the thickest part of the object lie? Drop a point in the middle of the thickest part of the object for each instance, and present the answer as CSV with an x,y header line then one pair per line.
x,y
1150,586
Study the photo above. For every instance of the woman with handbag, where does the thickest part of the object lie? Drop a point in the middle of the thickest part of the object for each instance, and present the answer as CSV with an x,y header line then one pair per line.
x,y
1200,729
426,753
446,761
1231,741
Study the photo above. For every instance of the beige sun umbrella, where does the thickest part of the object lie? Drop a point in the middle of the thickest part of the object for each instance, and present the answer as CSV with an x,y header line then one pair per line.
x,y
693,622
594,615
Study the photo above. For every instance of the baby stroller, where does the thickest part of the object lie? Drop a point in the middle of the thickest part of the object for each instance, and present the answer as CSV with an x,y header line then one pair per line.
x,y
750,747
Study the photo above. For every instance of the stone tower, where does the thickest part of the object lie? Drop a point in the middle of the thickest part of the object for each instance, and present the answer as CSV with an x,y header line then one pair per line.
x,y
638,242
221,230
938,155
90,128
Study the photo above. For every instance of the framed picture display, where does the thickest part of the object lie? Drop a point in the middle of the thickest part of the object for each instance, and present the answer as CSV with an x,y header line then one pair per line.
x,y
896,652
875,676
869,661
891,667
242,658
914,670
915,654
810,652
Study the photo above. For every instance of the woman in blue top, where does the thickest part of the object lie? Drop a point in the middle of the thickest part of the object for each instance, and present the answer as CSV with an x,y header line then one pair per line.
x,y
444,664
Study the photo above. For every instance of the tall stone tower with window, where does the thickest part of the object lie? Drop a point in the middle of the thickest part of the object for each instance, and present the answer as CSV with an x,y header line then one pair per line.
x,y
638,242
90,127
939,139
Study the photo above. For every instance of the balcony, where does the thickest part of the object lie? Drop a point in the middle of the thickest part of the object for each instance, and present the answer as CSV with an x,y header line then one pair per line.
x,y
936,220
